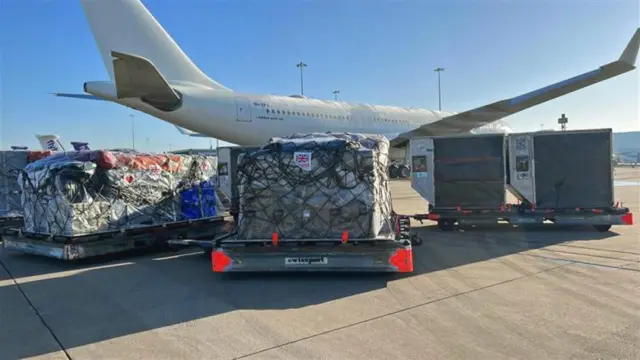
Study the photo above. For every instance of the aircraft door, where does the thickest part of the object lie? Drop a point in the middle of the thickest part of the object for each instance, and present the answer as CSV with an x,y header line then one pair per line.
x,y
243,109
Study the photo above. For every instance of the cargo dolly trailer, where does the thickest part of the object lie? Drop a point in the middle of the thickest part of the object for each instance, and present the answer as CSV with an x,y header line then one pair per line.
x,y
276,254
109,242
562,177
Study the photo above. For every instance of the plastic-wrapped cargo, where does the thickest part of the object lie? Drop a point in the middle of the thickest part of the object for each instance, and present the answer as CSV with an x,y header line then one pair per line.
x,y
11,162
466,171
562,169
316,186
83,192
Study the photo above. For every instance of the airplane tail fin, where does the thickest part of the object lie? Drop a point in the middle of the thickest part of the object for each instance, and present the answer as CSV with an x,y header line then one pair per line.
x,y
50,142
80,145
126,26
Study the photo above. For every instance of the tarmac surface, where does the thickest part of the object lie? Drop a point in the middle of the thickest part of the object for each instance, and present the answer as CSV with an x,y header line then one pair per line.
x,y
485,293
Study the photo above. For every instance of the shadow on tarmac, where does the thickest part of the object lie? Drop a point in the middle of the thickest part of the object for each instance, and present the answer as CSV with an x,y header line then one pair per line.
x,y
110,297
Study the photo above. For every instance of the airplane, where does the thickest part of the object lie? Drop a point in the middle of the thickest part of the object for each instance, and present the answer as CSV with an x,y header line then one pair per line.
x,y
150,73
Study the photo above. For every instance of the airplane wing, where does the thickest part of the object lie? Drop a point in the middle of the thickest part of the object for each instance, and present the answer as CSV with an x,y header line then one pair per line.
x,y
79,96
466,121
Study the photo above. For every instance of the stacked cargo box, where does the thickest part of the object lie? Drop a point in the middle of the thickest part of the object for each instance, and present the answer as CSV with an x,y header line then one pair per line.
x,y
83,192
316,186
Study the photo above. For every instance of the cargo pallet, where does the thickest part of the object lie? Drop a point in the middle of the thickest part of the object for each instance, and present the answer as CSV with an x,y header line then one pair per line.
x,y
275,254
109,242
601,219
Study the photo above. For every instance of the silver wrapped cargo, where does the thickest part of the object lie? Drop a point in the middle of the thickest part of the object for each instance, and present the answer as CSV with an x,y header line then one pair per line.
x,y
82,192
316,186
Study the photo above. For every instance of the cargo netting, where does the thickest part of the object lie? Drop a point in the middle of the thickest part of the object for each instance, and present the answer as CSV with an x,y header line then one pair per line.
x,y
84,192
316,186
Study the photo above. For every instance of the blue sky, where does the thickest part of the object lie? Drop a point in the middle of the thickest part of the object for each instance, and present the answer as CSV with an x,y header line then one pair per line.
x,y
374,51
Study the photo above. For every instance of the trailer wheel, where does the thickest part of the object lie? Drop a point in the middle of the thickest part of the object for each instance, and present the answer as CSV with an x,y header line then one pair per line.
x,y
416,240
446,224
602,228
207,253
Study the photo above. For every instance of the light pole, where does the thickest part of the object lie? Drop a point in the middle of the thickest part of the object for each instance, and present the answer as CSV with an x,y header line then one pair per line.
x,y
335,94
133,133
439,70
301,65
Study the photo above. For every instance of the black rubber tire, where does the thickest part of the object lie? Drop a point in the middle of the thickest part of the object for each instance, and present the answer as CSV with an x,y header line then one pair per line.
x,y
206,252
405,172
394,172
602,228
446,224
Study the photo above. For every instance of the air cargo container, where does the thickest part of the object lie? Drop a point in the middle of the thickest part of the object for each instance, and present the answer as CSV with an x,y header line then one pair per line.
x,y
460,171
561,177
562,169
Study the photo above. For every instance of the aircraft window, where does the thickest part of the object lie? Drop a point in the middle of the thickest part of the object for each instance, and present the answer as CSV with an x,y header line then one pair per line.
x,y
278,111
288,112
267,111
298,113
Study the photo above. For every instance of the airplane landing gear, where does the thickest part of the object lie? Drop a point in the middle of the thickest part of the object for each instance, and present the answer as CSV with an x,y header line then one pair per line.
x,y
399,171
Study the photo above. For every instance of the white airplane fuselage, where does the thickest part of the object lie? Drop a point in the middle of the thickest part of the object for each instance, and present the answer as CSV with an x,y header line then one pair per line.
x,y
250,119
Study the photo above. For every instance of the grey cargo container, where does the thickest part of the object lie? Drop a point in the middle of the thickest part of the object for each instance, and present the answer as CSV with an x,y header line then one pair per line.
x,y
11,162
468,171
562,169
228,172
